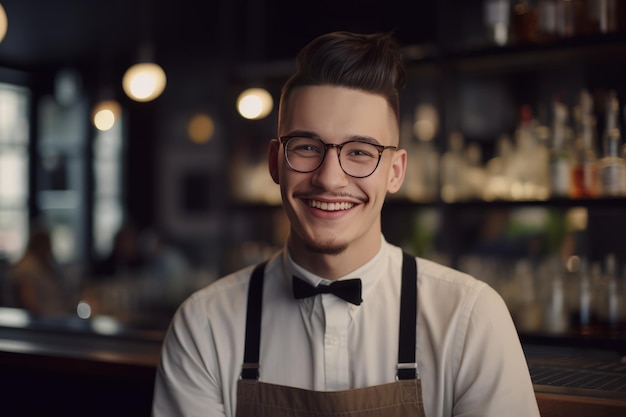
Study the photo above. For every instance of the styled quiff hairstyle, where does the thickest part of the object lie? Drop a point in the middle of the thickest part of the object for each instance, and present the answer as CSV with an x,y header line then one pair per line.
x,y
368,62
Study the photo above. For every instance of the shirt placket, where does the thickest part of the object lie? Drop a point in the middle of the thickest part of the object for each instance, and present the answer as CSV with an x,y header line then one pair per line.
x,y
337,319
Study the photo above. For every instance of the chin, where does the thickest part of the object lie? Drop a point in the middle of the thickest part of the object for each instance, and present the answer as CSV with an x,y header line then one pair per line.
x,y
328,248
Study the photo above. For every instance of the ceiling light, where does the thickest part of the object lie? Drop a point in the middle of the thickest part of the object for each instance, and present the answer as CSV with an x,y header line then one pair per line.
x,y
144,82
254,103
105,114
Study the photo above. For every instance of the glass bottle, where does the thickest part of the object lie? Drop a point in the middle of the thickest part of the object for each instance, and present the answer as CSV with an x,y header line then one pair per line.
x,y
530,161
585,181
581,319
524,21
560,156
547,11
530,311
612,166
425,129
564,16
606,303
612,293
497,16
475,178
453,170
556,319
422,174
411,188
497,169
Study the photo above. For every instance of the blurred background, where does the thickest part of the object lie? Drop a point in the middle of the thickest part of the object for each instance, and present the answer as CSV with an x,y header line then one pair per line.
x,y
511,116
123,191
184,172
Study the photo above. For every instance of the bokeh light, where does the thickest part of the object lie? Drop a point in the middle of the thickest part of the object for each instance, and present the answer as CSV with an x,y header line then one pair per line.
x,y
201,128
144,82
105,114
255,103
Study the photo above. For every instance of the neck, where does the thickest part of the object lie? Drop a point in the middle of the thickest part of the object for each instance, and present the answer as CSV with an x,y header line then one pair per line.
x,y
331,266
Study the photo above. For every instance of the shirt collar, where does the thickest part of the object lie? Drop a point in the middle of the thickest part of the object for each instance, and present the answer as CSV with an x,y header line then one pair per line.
x,y
370,272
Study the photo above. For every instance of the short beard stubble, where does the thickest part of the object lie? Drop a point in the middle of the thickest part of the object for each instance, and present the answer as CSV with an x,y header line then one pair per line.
x,y
329,248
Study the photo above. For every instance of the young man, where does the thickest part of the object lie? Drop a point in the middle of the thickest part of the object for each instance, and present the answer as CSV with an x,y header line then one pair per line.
x,y
414,338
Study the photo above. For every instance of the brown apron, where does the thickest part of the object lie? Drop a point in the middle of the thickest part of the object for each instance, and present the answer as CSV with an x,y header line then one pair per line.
x,y
402,398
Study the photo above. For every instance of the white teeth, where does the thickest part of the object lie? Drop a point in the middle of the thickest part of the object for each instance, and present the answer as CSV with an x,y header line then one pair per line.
x,y
330,206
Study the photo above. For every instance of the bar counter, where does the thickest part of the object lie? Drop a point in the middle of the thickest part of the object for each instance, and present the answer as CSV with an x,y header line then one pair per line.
x,y
574,376
75,367
103,367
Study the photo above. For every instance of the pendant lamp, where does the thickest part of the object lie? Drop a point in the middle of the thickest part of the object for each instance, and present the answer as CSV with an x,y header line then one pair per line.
x,y
255,103
145,80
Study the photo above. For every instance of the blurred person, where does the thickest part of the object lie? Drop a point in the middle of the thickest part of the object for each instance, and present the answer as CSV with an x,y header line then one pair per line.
x,y
125,258
37,279
117,282
168,265
340,322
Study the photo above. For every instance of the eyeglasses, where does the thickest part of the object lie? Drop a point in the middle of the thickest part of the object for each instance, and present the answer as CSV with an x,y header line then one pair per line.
x,y
358,159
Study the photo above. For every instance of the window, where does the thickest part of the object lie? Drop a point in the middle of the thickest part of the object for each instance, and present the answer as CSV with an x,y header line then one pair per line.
x,y
14,142
108,213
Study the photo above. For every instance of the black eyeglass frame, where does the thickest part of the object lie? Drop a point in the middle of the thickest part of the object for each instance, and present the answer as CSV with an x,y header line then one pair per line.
x,y
380,148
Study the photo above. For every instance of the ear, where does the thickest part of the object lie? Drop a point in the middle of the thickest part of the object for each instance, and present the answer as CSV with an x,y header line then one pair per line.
x,y
273,153
397,171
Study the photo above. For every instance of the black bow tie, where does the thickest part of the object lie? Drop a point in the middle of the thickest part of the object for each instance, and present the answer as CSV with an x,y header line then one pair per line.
x,y
349,289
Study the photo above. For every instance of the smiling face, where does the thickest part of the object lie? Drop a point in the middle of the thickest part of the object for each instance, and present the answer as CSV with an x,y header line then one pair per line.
x,y
332,213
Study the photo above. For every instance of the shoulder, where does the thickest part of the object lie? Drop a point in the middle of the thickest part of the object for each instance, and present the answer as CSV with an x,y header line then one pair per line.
x,y
438,276
445,290
461,305
222,294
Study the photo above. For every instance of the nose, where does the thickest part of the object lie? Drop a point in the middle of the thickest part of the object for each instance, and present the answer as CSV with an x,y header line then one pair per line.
x,y
330,175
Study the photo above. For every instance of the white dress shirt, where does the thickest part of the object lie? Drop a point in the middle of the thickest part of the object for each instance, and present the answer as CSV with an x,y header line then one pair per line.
x,y
469,357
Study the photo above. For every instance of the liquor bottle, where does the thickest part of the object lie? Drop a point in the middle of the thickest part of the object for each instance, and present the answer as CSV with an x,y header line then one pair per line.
x,y
565,20
453,170
498,171
582,309
425,129
528,309
605,297
530,161
610,302
475,178
556,318
547,11
429,166
497,15
606,13
411,188
585,181
421,182
524,22
560,155
612,166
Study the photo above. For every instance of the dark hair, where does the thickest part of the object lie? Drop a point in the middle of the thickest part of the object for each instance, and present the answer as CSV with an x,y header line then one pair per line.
x,y
368,62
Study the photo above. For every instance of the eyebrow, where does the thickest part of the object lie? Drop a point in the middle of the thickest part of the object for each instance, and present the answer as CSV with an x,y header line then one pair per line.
x,y
310,134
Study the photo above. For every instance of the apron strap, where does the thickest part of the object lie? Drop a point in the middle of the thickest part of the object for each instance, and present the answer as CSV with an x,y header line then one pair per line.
x,y
407,366
250,367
